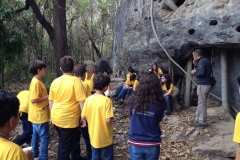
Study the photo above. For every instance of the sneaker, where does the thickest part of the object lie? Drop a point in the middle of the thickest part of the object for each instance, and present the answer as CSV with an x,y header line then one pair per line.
x,y
196,125
168,112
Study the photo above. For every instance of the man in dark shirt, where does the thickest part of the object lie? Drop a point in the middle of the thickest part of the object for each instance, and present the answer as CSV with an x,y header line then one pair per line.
x,y
203,73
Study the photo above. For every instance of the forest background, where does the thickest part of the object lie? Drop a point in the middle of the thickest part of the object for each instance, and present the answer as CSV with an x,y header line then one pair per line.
x,y
48,30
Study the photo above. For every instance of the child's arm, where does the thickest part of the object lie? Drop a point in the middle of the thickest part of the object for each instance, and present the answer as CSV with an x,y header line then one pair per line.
x,y
168,93
238,153
50,102
109,120
39,99
81,103
83,122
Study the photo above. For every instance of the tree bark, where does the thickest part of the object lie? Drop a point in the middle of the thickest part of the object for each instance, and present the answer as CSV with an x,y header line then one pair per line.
x,y
60,37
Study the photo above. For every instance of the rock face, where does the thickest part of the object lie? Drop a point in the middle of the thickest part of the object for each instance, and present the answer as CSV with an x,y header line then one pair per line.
x,y
207,24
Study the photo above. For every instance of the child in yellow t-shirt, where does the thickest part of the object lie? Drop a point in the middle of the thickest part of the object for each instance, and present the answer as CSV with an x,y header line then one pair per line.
x,y
167,88
98,111
9,118
66,99
236,136
38,111
80,72
26,136
90,75
156,70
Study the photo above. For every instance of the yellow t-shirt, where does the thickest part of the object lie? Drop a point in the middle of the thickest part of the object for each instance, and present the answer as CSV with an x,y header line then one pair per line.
x,y
159,72
23,97
96,109
66,92
38,112
236,135
86,88
11,151
136,83
164,87
90,81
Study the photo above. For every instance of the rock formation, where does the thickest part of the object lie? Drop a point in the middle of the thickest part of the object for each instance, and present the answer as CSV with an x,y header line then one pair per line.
x,y
207,24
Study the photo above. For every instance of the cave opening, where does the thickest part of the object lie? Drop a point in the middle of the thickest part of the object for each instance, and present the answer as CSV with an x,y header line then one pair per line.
x,y
191,31
238,29
179,2
213,23
135,9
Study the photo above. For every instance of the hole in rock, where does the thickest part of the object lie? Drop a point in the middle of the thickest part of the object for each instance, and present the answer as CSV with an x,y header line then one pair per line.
x,y
213,23
191,31
179,2
238,29
167,34
135,9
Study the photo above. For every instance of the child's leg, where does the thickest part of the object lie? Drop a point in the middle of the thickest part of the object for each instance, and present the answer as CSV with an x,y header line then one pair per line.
x,y
67,140
129,92
35,140
43,130
169,103
119,89
85,134
27,131
96,153
107,153
76,150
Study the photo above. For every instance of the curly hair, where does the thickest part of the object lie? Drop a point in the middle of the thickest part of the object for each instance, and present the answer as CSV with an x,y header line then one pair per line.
x,y
104,67
168,81
149,92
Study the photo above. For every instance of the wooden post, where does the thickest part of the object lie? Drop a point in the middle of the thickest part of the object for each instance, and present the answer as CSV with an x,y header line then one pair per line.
x,y
224,80
187,97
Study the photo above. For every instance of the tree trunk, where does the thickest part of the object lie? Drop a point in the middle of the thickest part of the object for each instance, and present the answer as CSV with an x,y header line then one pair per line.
x,y
60,36
57,34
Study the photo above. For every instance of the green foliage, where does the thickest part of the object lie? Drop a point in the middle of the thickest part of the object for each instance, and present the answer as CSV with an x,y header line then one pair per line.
x,y
12,44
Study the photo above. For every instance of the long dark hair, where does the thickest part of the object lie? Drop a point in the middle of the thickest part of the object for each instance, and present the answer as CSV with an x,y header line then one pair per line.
x,y
92,70
156,70
149,92
104,67
168,81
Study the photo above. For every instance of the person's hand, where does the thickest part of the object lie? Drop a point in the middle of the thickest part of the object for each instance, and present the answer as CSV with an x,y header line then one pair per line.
x,y
193,71
83,123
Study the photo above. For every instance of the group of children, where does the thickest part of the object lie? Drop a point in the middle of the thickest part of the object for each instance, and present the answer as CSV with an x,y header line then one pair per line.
x,y
68,107
132,81
78,104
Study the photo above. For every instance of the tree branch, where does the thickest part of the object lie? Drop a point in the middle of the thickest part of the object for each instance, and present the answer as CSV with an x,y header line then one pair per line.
x,y
39,16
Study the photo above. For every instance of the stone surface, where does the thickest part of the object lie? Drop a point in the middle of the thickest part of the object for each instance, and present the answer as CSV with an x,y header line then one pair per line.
x,y
220,144
189,130
175,136
207,24
174,121
195,134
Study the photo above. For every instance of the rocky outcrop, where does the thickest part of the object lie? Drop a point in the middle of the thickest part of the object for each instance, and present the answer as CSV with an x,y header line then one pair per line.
x,y
207,24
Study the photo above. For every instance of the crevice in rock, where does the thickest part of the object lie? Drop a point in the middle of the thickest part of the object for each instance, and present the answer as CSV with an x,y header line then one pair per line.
x,y
238,29
213,22
135,9
179,2
191,31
